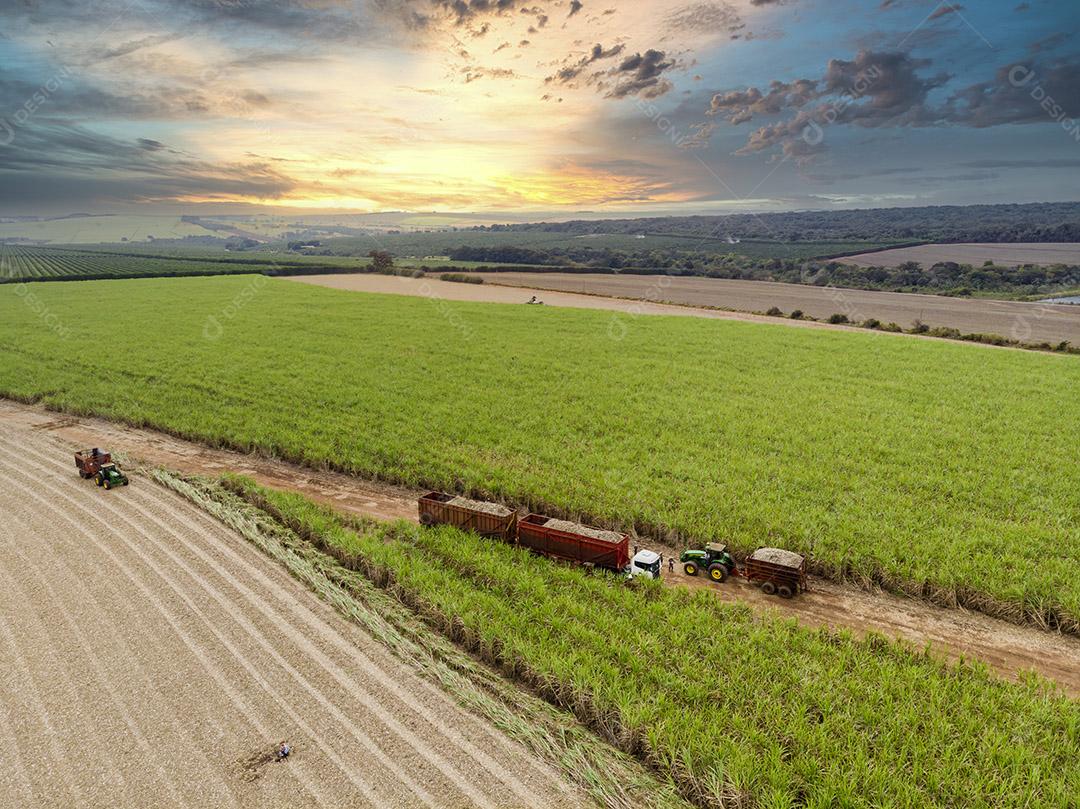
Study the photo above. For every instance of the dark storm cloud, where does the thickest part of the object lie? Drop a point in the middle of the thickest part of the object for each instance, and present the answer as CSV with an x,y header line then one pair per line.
x,y
892,89
1020,93
73,156
570,72
420,14
875,89
641,74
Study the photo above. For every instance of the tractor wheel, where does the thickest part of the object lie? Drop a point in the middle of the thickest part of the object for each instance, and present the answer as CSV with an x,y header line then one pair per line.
x,y
768,588
97,480
107,485
718,573
690,569
784,591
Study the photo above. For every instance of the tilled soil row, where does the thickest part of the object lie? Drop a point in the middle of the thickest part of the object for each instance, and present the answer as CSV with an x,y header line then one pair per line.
x,y
156,656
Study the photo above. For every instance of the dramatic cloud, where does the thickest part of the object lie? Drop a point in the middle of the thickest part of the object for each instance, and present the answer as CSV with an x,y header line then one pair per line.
x,y
641,74
875,89
1020,93
567,74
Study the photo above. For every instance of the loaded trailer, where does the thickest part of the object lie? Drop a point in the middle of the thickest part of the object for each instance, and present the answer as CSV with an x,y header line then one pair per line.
x,y
486,519
776,571
574,543
558,539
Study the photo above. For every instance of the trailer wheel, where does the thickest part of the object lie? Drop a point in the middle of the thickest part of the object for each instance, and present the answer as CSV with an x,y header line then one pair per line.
x,y
784,591
427,519
718,573
768,588
690,569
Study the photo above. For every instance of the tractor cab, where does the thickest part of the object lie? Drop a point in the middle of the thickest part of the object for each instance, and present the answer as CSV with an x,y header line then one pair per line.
x,y
646,563
714,558
109,475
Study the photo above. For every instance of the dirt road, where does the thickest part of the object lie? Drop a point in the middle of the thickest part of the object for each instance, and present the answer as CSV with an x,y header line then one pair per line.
x,y
150,655
1028,322
952,633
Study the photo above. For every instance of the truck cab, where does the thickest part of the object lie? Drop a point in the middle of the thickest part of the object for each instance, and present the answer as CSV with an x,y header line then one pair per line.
x,y
646,563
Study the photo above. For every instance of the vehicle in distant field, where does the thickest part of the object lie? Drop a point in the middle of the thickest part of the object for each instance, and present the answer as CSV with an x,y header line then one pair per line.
x,y
773,569
558,539
714,558
89,461
109,476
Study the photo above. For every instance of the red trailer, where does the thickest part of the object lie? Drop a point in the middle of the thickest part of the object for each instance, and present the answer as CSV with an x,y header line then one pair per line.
x,y
90,461
487,519
575,543
776,571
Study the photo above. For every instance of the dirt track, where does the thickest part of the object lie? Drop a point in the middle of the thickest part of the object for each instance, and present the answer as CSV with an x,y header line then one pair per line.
x,y
952,633
1028,322
147,650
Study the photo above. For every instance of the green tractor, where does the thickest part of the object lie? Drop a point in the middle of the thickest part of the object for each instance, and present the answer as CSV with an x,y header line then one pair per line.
x,y
715,559
109,475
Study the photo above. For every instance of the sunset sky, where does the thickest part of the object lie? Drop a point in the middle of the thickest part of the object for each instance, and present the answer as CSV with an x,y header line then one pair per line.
x,y
545,105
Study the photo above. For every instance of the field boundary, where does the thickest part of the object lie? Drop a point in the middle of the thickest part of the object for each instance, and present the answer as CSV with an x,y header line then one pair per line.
x,y
1050,619
934,333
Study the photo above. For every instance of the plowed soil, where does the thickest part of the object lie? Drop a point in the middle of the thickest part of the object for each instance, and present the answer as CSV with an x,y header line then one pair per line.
x,y
952,633
1027,322
150,657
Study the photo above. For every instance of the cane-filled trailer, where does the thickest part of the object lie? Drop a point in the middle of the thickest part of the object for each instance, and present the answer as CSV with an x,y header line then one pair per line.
x,y
486,519
558,539
574,543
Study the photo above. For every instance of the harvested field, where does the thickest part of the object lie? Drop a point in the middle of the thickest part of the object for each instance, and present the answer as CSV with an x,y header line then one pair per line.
x,y
152,657
1005,255
1029,322
953,633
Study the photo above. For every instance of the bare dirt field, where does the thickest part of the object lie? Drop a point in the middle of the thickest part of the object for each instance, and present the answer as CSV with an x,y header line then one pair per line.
x,y
952,633
1005,255
150,655
1028,322
501,289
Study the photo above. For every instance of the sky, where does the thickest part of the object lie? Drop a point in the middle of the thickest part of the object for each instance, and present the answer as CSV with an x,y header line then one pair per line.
x,y
535,105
